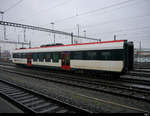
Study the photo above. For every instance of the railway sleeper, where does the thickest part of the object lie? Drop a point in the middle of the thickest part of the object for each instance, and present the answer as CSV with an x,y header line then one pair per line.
x,y
16,93
20,95
29,100
49,109
40,106
34,102
25,98
10,91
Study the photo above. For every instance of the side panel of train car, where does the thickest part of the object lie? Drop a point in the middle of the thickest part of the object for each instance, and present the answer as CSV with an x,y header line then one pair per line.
x,y
109,56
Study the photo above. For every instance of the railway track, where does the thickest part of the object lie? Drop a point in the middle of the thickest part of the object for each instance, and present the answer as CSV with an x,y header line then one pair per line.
x,y
125,78
31,101
115,88
142,70
135,80
139,73
142,67
129,78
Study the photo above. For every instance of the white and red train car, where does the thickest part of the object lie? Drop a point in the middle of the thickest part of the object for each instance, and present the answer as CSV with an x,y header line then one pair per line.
x,y
108,56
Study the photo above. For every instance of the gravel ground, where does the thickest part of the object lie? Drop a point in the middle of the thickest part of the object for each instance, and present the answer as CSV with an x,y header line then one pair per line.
x,y
6,107
93,101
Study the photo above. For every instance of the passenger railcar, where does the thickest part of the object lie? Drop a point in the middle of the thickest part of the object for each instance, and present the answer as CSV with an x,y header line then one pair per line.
x,y
108,56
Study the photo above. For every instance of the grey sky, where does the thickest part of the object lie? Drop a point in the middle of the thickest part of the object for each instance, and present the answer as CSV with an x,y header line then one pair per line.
x,y
100,18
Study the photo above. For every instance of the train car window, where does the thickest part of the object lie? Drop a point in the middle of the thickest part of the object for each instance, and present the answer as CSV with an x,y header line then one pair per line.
x,y
47,57
35,57
55,57
41,57
19,55
67,60
106,55
110,55
98,55
91,55
84,55
63,60
77,55
23,55
117,55
14,55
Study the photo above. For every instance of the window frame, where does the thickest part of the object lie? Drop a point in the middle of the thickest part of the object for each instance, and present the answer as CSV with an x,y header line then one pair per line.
x,y
54,58
41,56
48,59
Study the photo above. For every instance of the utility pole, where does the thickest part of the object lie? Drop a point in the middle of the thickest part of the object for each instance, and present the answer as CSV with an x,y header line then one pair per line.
x,y
115,37
52,23
140,51
24,33
2,14
72,38
78,26
84,33
5,33
0,52
18,38
30,44
140,47
50,36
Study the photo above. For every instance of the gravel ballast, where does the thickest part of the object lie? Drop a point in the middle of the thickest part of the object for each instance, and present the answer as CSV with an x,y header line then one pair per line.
x,y
90,100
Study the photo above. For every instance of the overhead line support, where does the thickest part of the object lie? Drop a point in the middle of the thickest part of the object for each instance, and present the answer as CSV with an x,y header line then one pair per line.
x,y
13,42
41,29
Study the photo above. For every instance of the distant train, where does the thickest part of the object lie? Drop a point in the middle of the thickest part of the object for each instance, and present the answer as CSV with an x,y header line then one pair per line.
x,y
107,56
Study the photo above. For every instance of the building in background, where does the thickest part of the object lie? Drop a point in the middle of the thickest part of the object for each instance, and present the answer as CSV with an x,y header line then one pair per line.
x,y
5,55
142,55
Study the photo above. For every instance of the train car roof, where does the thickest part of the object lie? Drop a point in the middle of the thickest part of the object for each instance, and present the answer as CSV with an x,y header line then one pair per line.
x,y
69,45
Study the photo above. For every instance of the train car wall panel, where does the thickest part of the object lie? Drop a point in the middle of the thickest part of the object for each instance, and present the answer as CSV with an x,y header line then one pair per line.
x,y
20,61
114,66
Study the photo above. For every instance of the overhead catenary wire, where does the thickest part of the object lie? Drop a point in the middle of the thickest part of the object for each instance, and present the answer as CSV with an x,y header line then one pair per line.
x,y
5,11
107,22
111,21
96,10
122,30
90,12
48,9
13,6
139,37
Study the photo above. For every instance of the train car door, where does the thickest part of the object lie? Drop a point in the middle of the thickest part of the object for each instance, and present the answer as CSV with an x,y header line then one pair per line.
x,y
29,59
65,61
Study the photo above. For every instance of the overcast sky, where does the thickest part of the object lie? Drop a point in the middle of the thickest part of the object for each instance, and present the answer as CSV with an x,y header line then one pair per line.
x,y
128,19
